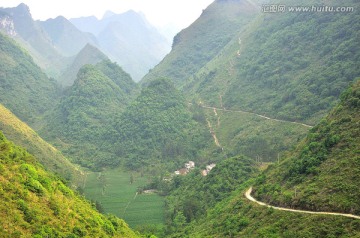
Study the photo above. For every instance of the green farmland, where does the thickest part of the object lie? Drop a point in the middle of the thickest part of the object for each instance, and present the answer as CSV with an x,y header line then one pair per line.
x,y
113,190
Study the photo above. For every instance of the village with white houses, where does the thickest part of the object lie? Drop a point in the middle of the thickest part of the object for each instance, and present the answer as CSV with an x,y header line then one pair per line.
x,y
191,165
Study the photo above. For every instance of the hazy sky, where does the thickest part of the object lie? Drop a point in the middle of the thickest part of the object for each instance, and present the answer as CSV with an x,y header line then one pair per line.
x,y
179,13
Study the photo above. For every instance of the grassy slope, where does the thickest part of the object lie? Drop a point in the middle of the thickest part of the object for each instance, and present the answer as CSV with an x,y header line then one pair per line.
x,y
51,158
37,204
323,174
229,72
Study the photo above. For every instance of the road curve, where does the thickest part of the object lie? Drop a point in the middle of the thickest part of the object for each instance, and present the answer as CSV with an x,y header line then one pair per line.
x,y
249,197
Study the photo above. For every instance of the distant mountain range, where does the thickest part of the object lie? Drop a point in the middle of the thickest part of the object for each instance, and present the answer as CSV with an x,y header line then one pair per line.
x,y
65,37
127,38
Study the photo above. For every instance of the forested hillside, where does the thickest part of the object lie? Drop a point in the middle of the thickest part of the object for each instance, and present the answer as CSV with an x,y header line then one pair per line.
x,y
157,128
323,173
306,61
291,65
35,203
81,119
192,196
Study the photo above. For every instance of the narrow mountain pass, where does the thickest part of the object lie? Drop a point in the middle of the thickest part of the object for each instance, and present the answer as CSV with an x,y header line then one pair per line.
x,y
251,198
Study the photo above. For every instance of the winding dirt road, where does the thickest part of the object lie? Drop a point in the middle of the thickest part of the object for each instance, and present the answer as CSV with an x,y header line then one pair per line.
x,y
249,197
262,116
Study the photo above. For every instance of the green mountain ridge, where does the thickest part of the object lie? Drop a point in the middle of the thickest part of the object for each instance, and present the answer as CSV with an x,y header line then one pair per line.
x,y
99,93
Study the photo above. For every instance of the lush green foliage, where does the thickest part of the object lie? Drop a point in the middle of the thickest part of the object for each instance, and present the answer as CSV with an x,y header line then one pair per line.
x,y
35,203
306,61
129,89
286,66
192,195
24,88
86,110
323,174
156,128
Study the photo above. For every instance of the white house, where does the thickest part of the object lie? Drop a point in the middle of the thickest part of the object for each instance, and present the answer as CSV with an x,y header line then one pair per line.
x,y
190,165
210,167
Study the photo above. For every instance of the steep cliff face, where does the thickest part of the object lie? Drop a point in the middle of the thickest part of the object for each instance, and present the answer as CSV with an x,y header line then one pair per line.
x,y
7,25
31,36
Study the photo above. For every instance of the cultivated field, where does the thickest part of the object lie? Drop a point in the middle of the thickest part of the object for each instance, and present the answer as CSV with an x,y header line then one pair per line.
x,y
118,196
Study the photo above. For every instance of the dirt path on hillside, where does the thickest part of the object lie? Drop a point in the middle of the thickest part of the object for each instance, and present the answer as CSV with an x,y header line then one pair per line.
x,y
249,197
213,134
262,116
